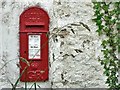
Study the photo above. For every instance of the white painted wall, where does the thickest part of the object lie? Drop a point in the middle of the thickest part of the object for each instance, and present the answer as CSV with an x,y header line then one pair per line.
x,y
73,55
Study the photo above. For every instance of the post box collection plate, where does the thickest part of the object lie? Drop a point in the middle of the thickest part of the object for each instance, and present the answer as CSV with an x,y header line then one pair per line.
x,y
34,25
34,47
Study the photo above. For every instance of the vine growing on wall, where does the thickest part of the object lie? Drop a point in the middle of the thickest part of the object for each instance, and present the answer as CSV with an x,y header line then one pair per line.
x,y
107,19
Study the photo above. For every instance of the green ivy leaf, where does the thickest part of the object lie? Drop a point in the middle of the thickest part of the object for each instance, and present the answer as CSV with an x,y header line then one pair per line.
x,y
107,18
97,5
99,22
100,27
106,61
104,43
118,48
106,29
113,21
113,71
106,52
106,72
108,81
118,64
105,8
99,16
118,26
112,12
112,63
97,12
99,32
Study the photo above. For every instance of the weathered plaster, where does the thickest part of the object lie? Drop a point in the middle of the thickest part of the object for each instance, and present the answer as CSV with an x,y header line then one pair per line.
x,y
73,51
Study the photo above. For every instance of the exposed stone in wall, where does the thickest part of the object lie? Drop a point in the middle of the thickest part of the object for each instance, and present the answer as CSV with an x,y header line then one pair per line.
x,y
73,50
75,61
74,64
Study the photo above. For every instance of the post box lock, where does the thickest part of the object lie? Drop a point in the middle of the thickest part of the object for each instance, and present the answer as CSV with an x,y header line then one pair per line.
x,y
34,25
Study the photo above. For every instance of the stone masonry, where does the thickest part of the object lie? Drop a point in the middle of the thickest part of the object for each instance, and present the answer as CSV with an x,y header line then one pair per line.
x,y
73,48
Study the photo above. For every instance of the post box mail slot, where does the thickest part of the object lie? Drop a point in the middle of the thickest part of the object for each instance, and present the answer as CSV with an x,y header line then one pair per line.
x,y
34,25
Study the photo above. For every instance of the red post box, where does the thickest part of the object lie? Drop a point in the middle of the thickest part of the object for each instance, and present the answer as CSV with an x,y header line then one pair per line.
x,y
34,25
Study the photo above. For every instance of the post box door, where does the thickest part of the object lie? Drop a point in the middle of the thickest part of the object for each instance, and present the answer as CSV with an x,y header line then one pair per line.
x,y
34,26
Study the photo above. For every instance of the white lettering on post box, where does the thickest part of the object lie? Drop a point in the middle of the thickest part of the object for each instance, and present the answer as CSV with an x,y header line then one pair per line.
x,y
34,47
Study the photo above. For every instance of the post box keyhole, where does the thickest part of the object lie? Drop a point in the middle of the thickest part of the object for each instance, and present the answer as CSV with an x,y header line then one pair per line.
x,y
24,51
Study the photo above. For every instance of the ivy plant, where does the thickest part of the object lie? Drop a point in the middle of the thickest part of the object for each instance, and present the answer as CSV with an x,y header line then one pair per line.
x,y
107,19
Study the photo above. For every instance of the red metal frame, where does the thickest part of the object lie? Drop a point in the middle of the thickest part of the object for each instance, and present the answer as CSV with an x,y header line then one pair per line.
x,y
34,21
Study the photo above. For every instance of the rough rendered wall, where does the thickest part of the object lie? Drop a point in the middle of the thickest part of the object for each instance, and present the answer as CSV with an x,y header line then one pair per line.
x,y
11,10
73,50
75,55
